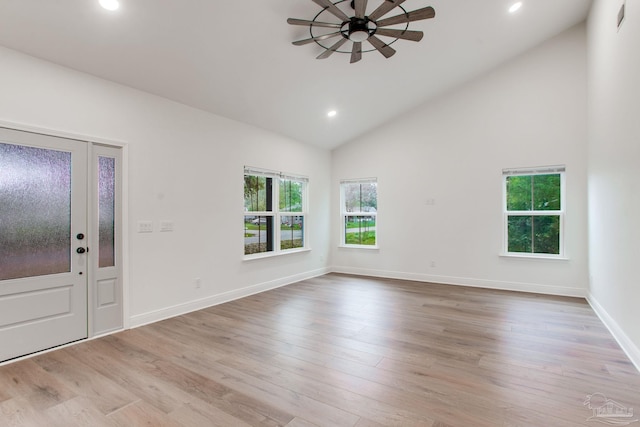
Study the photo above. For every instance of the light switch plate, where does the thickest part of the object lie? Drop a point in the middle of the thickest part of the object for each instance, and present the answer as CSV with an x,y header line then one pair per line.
x,y
166,225
145,226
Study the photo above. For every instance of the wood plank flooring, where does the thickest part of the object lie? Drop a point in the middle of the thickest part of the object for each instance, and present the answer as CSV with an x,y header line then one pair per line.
x,y
337,350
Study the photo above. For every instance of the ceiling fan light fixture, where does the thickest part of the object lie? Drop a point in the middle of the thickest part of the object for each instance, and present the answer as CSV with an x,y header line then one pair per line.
x,y
358,29
358,35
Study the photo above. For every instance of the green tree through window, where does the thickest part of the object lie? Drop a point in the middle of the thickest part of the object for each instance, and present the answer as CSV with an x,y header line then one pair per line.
x,y
534,211
274,212
359,210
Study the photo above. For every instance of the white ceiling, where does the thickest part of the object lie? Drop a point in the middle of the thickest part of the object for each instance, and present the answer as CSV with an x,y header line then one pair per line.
x,y
235,58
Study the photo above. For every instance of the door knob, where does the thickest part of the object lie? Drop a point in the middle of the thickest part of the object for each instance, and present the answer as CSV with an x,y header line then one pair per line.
x,y
81,250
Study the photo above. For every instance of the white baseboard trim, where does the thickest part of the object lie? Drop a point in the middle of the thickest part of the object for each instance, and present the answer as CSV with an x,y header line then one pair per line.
x,y
466,281
628,346
199,304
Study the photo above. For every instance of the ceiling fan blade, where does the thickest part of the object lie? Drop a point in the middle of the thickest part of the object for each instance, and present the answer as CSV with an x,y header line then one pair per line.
x,y
332,8
416,15
327,53
415,36
384,8
294,21
356,52
360,7
316,39
382,47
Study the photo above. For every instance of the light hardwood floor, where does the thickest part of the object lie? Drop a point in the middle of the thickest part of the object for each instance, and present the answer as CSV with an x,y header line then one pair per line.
x,y
337,351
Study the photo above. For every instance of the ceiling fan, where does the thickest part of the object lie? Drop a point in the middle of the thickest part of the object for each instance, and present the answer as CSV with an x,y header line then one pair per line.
x,y
362,27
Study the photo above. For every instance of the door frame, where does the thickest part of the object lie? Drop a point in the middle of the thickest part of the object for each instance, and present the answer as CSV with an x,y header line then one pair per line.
x,y
124,147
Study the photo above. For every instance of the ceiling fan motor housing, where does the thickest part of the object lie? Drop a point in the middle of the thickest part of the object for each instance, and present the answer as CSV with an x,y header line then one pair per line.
x,y
358,29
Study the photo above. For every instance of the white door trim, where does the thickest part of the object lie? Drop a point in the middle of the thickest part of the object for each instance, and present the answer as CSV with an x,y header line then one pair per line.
x,y
126,309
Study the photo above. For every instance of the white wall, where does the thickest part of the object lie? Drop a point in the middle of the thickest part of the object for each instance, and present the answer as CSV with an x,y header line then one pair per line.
x,y
614,169
185,165
528,112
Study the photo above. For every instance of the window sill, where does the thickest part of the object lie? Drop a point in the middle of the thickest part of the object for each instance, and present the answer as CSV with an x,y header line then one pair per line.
x,y
368,247
274,254
534,256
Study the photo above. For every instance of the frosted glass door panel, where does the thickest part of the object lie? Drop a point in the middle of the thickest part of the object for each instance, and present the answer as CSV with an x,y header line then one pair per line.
x,y
35,211
105,288
106,208
43,242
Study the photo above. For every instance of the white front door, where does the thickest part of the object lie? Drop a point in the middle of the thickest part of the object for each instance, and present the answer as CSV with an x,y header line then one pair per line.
x,y
43,242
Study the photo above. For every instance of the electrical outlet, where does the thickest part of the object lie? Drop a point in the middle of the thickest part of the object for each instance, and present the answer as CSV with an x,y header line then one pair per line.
x,y
197,282
433,264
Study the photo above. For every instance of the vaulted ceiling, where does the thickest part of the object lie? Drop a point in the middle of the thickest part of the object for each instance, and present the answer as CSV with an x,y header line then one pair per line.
x,y
234,58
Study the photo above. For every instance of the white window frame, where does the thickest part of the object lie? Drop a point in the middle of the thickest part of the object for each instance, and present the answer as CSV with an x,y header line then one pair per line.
x,y
344,214
561,213
276,214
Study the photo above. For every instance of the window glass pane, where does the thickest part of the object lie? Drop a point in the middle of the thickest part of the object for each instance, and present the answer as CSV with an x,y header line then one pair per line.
x,y
519,229
257,194
291,232
35,211
534,234
519,193
546,192
533,192
106,211
258,234
546,234
361,197
360,230
269,226
291,196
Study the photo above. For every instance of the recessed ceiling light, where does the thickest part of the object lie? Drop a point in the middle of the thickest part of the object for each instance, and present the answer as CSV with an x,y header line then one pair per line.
x,y
332,113
110,4
514,8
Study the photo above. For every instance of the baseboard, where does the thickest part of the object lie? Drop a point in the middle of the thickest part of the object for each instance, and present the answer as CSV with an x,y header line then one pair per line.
x,y
628,346
187,307
466,281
